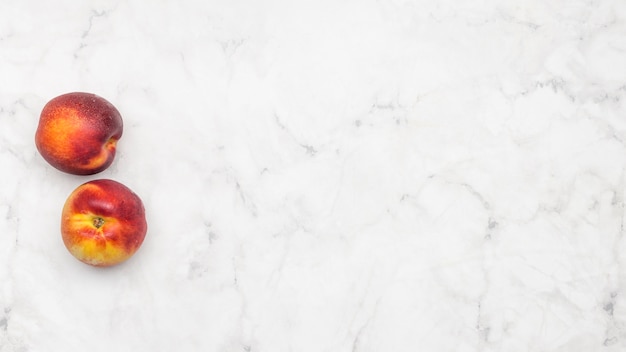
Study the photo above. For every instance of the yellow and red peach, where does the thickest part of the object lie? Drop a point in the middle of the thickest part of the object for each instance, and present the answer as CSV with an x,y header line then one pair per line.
x,y
78,133
103,223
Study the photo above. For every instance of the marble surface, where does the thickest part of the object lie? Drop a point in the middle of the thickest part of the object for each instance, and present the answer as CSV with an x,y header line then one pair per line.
x,y
352,176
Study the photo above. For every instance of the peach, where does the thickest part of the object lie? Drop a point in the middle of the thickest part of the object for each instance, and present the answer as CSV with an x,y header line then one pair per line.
x,y
103,223
78,133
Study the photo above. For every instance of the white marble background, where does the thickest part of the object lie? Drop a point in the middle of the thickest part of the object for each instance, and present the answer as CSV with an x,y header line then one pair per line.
x,y
326,175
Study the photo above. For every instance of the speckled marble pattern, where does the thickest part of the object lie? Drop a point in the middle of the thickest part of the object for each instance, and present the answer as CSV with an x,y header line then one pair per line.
x,y
341,176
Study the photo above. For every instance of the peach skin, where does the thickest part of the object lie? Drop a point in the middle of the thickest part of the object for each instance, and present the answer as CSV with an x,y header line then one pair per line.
x,y
78,133
103,223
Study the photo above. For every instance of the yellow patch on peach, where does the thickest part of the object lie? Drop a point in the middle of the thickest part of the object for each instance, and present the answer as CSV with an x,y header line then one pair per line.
x,y
62,129
105,153
91,252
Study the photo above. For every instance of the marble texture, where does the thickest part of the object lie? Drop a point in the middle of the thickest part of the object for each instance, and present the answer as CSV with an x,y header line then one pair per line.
x,y
346,176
